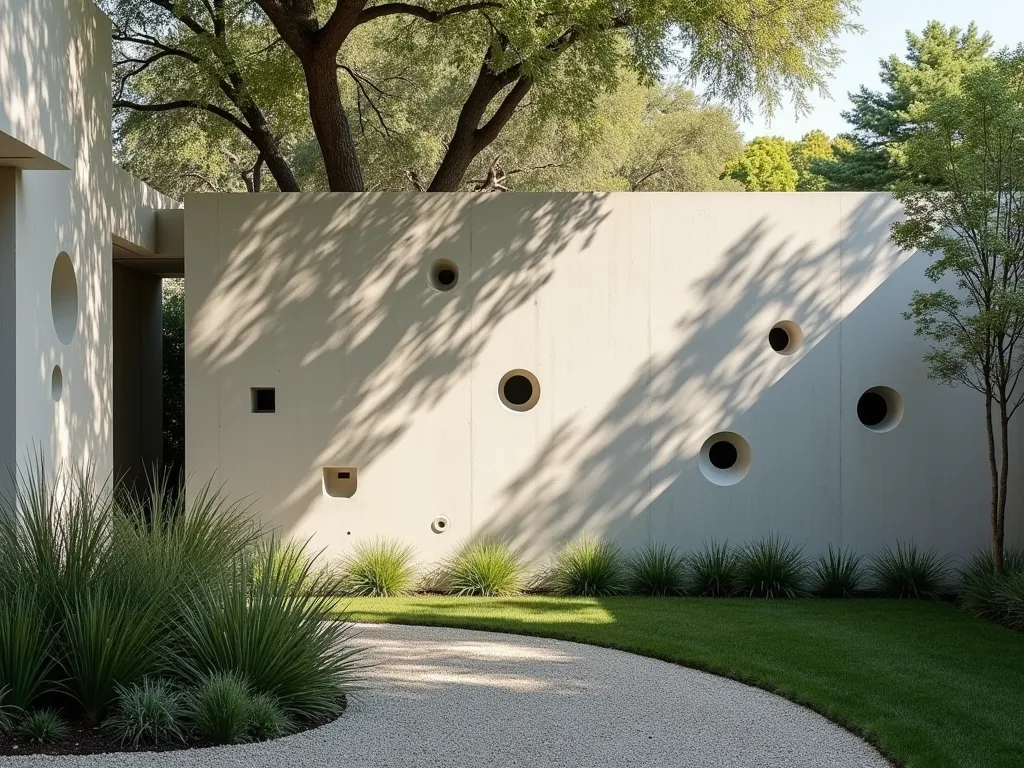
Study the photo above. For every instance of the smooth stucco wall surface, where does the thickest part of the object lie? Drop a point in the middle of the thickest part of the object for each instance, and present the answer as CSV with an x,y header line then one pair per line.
x,y
644,318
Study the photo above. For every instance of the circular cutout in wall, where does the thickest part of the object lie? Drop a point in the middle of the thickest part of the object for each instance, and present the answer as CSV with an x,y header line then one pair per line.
x,y
444,275
64,298
56,384
519,390
785,337
724,458
440,524
880,409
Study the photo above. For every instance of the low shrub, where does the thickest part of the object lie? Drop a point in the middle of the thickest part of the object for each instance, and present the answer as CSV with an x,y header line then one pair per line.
x,y
262,623
656,570
219,708
977,590
588,567
1009,595
837,573
712,571
43,726
379,568
267,720
487,567
148,713
771,567
906,572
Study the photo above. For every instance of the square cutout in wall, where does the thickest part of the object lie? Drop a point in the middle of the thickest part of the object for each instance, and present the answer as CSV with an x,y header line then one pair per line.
x,y
263,399
340,482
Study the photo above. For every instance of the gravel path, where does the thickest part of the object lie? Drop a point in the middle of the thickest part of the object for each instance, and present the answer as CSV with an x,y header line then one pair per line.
x,y
447,698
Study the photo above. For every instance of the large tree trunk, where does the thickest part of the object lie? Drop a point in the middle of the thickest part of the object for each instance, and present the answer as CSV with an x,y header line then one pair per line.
x,y
270,150
330,123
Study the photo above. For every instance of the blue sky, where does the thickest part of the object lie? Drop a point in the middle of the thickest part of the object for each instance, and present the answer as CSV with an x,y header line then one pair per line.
x,y
885,22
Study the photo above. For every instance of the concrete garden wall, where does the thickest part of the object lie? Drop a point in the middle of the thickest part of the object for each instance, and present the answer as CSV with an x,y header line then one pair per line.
x,y
645,321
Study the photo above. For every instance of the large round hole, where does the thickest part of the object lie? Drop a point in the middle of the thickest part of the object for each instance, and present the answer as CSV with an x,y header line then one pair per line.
x,y
785,337
56,384
444,275
64,298
880,409
519,390
724,458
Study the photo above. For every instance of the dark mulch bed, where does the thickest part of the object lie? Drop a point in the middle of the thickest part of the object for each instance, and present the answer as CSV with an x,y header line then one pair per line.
x,y
83,739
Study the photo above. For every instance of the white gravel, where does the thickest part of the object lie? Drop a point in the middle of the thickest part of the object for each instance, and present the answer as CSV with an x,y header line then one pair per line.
x,y
445,698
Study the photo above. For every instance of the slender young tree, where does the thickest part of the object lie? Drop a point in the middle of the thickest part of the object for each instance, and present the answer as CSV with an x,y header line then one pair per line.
x,y
251,65
970,216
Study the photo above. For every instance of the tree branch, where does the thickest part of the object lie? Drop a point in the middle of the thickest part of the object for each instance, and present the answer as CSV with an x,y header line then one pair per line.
x,y
427,14
170,106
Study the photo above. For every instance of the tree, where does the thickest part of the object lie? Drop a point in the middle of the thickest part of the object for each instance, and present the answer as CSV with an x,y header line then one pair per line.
x,y
764,166
255,66
883,121
811,155
970,216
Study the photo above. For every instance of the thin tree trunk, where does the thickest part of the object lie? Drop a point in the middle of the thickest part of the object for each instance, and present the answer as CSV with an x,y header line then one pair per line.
x,y
999,531
330,124
270,149
993,468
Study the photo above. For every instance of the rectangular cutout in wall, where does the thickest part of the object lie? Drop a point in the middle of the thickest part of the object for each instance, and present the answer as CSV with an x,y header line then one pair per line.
x,y
340,482
263,399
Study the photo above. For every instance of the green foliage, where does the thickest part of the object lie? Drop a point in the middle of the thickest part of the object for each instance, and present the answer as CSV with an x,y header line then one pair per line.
x,y
267,720
934,67
379,568
1009,598
978,591
656,570
811,154
219,708
712,571
969,215
838,573
265,619
173,374
906,572
486,567
588,567
148,713
771,567
25,645
405,81
43,726
764,166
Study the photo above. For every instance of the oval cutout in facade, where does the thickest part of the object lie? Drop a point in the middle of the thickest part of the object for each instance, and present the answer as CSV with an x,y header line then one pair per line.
x,y
64,298
56,384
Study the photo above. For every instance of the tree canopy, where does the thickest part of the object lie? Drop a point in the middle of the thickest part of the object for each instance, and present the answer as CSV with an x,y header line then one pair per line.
x,y
337,89
934,66
764,166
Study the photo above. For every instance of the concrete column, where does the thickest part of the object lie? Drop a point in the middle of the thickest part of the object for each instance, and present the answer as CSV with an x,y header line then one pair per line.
x,y
8,306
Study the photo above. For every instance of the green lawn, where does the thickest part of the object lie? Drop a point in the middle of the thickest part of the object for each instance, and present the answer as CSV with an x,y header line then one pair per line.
x,y
928,685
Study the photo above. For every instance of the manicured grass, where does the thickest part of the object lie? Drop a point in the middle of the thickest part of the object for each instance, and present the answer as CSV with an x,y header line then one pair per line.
x,y
928,685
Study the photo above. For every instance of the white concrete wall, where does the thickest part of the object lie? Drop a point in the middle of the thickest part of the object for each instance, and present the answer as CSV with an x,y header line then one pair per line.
x,y
644,317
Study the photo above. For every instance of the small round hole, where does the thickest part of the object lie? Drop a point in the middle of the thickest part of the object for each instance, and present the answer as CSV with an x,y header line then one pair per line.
x,y
880,409
519,390
785,337
724,458
444,275
723,455
440,524
56,384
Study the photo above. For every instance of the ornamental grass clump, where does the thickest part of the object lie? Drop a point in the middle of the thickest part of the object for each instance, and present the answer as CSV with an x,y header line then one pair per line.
x,y
588,567
150,713
379,568
1009,598
267,719
771,567
219,708
837,573
978,590
656,570
485,567
711,571
906,572
42,726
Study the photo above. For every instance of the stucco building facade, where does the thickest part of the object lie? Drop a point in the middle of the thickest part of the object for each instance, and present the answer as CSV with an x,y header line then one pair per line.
x,y
645,367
